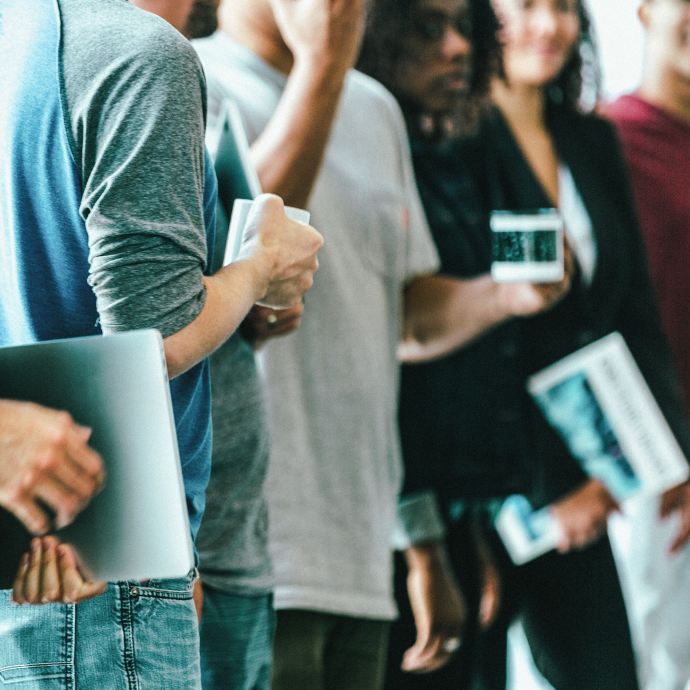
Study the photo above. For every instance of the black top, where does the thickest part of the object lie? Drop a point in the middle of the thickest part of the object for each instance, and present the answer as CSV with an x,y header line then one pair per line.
x,y
468,426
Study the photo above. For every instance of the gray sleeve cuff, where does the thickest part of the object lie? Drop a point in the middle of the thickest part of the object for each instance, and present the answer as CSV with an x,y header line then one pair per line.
x,y
418,520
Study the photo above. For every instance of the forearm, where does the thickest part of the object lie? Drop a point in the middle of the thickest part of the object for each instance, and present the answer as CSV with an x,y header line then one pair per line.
x,y
276,266
289,152
230,294
443,314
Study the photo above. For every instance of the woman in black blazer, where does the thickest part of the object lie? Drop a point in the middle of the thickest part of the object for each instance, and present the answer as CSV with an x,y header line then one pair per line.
x,y
469,431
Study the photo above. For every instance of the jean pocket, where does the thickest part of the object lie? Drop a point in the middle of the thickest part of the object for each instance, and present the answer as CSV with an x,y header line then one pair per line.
x,y
173,588
36,645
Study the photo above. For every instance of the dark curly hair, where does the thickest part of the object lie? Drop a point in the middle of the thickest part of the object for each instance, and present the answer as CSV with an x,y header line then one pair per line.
x,y
203,19
389,43
578,85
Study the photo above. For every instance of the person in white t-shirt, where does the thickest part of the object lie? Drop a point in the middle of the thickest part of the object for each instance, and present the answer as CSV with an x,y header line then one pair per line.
x,y
331,139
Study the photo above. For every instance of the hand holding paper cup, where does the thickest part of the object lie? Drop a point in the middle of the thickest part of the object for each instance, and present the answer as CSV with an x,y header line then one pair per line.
x,y
276,240
238,226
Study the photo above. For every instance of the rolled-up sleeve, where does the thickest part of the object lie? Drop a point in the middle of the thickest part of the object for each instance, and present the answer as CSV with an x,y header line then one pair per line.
x,y
140,135
418,520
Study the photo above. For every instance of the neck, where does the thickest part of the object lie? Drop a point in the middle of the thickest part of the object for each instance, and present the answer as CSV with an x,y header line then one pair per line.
x,y
666,89
251,23
520,103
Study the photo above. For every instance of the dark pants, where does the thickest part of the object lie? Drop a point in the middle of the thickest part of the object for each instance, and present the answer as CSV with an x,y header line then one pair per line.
x,y
324,651
571,608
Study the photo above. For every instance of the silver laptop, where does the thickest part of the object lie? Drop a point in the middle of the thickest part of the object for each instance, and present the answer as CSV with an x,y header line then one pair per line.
x,y
137,527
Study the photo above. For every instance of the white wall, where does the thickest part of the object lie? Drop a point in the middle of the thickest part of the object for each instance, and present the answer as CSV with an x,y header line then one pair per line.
x,y
621,44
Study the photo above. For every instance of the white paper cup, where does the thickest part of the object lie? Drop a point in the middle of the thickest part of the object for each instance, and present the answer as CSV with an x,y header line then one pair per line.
x,y
238,225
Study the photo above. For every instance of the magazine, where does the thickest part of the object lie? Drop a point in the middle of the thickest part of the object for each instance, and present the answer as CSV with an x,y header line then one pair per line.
x,y
599,402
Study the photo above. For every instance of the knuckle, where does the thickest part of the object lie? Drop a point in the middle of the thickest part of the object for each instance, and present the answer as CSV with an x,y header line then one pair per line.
x,y
70,505
47,461
28,480
89,488
51,594
63,424
15,493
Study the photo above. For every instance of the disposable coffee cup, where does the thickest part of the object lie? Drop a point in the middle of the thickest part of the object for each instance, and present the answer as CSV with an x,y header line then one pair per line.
x,y
238,226
527,247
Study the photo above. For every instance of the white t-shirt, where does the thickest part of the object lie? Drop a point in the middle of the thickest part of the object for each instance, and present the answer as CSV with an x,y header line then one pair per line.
x,y
332,387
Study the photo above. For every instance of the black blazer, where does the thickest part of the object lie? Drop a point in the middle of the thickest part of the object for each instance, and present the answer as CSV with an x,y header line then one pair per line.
x,y
467,425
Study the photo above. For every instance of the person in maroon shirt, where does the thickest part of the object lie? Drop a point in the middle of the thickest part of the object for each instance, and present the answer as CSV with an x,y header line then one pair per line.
x,y
654,126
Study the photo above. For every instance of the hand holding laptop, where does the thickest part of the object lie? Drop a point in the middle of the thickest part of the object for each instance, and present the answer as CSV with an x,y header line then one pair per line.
x,y
49,574
45,465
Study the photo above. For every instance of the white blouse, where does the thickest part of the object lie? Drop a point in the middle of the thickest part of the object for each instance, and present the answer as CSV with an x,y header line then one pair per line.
x,y
578,226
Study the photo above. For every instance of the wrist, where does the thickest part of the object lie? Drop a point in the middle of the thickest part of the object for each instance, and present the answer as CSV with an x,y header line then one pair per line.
x,y
249,275
501,308
258,268
326,71
425,555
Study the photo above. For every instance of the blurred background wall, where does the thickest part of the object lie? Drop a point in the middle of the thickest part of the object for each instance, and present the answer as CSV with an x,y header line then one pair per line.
x,y
620,41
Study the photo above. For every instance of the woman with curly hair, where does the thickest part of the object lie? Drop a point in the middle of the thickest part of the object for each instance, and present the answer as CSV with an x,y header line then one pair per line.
x,y
470,433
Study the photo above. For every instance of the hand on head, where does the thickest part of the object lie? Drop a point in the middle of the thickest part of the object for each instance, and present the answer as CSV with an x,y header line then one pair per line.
x,y
325,33
45,462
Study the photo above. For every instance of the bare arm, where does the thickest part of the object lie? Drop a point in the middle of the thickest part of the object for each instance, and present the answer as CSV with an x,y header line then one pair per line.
x,y
443,314
324,38
438,606
677,499
276,266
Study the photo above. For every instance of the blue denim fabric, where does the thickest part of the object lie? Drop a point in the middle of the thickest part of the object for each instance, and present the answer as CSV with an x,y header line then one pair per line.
x,y
133,637
236,641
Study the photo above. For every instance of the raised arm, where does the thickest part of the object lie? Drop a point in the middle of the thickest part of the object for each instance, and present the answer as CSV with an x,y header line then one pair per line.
x,y
323,37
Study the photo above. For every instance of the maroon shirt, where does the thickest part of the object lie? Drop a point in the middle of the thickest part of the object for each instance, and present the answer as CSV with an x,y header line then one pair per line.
x,y
657,148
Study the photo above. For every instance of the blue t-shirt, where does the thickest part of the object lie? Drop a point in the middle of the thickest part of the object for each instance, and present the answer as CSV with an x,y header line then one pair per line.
x,y
101,226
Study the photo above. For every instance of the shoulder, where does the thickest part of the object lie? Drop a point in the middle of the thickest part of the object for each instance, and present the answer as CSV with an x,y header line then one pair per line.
x,y
627,109
111,37
370,97
368,108
235,72
363,87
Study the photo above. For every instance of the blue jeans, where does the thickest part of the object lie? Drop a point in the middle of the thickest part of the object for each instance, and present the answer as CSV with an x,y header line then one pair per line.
x,y
236,641
133,637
